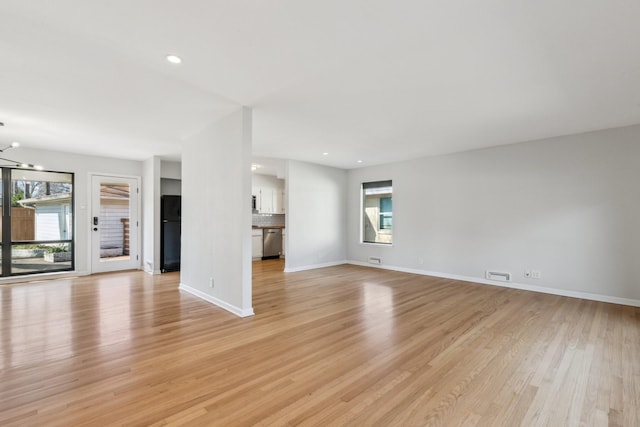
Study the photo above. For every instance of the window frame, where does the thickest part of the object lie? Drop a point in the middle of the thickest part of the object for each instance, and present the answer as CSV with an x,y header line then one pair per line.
x,y
7,242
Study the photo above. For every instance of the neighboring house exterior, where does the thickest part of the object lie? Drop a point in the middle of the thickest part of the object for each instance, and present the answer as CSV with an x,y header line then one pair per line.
x,y
114,216
53,219
114,220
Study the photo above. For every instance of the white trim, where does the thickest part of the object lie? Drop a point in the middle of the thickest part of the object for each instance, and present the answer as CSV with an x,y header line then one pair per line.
x,y
148,270
90,208
524,287
312,267
218,302
115,175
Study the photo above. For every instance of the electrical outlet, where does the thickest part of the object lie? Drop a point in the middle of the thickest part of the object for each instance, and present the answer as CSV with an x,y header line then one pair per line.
x,y
536,274
527,274
211,282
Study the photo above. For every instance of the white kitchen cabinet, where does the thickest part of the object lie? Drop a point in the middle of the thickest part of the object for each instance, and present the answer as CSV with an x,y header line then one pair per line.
x,y
278,201
267,200
256,243
269,193
264,200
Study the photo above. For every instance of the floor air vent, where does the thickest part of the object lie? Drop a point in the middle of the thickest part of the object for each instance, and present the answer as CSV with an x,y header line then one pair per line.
x,y
500,276
374,260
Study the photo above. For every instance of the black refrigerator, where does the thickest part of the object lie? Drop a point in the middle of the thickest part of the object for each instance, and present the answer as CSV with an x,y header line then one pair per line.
x,y
170,233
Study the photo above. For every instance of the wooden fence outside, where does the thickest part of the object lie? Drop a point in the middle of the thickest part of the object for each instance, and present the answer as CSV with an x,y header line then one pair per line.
x,y
23,224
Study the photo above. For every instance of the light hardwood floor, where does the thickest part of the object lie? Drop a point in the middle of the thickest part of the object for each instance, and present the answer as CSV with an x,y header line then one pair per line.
x,y
344,345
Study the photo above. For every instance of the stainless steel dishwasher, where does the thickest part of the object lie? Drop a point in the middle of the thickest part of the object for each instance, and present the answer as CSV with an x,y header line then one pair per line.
x,y
271,243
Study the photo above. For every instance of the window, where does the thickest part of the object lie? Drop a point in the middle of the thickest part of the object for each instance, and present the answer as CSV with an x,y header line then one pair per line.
x,y
386,213
37,221
377,212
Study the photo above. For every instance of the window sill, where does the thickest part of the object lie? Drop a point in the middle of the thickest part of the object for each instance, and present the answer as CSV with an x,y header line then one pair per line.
x,y
386,245
25,278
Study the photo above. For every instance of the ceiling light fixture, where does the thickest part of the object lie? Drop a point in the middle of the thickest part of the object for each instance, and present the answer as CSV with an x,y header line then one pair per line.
x,y
15,163
254,167
359,161
325,154
174,59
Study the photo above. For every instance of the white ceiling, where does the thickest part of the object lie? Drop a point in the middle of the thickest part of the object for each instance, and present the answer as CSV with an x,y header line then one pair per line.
x,y
370,80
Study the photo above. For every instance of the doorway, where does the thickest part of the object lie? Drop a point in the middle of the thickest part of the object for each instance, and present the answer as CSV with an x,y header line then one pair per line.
x,y
114,223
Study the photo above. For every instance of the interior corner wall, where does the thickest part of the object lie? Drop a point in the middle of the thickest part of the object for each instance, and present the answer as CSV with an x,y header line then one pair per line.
x,y
568,207
151,214
316,216
216,213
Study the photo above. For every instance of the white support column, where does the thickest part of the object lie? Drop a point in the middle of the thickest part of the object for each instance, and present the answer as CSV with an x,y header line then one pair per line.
x,y
216,213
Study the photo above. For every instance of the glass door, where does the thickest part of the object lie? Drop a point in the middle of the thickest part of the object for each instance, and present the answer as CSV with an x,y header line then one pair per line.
x,y
114,223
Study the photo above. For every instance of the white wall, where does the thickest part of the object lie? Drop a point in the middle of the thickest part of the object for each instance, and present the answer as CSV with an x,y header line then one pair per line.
x,y
268,181
170,178
171,170
216,213
151,214
170,187
316,216
81,166
569,207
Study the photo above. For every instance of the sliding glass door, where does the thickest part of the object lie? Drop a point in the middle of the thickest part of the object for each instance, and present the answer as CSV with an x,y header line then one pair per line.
x,y
37,221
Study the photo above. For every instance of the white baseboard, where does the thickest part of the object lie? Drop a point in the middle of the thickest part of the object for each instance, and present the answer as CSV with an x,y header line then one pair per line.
x,y
521,286
313,267
218,302
153,272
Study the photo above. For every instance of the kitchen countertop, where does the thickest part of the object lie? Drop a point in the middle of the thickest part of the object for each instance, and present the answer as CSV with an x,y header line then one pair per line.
x,y
262,227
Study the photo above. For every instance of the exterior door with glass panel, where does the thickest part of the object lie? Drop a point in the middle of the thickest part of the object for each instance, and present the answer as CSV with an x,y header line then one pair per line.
x,y
114,223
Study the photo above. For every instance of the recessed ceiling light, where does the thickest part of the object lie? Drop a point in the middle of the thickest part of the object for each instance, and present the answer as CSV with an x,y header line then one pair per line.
x,y
15,144
255,167
174,59
1,124
325,154
359,161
